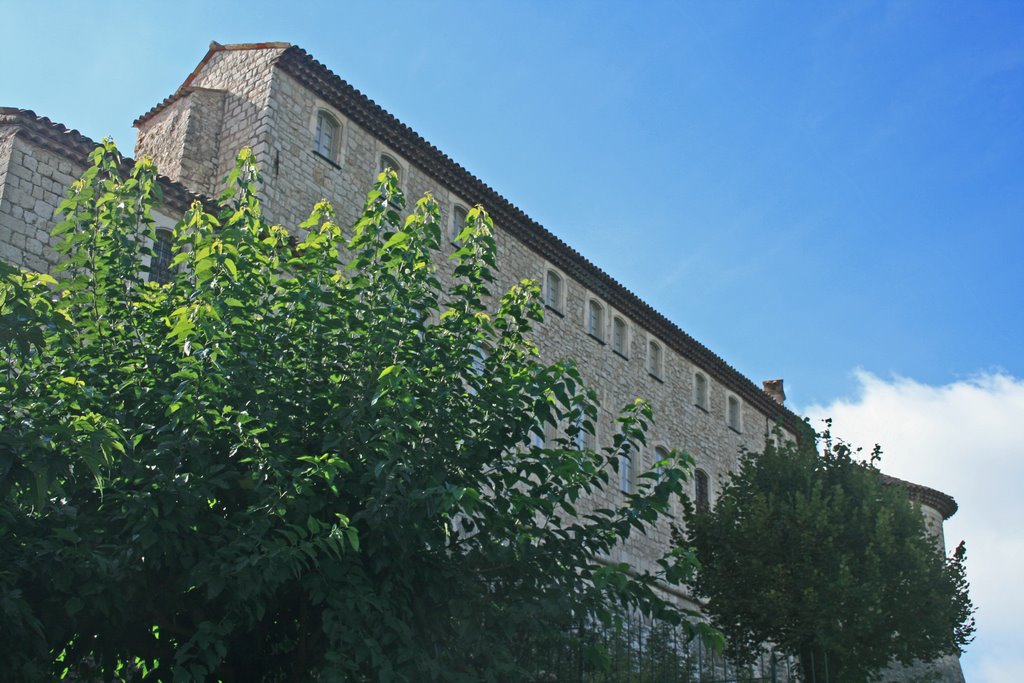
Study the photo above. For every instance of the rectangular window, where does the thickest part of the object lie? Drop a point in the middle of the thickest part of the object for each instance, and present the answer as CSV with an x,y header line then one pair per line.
x,y
654,359
660,455
701,491
459,214
735,414
700,391
163,255
387,162
325,140
626,473
619,336
553,291
595,320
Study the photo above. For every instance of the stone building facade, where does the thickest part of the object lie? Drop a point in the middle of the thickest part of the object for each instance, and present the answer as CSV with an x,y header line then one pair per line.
x,y
315,136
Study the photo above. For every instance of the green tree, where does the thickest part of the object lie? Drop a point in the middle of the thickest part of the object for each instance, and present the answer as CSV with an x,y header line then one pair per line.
x,y
811,552
275,468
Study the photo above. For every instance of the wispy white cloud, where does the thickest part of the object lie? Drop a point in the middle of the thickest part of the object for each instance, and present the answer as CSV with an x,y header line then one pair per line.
x,y
963,438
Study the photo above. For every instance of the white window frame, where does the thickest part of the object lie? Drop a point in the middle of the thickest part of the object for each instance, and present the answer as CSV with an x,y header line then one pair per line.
x,y
627,462
557,303
546,435
734,416
655,366
397,166
333,152
657,457
454,227
598,331
478,364
701,400
165,236
161,224
624,351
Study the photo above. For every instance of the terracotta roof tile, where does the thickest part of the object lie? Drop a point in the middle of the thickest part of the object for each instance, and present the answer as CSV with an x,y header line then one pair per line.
x,y
933,498
339,93
184,88
300,65
73,145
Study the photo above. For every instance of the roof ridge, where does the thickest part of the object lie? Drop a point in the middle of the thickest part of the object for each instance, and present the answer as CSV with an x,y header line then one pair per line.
x,y
183,89
250,46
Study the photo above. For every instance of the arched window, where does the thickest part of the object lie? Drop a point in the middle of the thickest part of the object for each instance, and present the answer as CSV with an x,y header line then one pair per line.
x,y
702,491
388,161
160,269
459,214
619,336
327,138
654,359
734,414
595,319
700,390
553,291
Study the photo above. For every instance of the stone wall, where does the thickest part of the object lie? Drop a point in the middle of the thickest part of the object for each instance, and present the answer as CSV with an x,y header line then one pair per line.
x,y
223,109
270,111
34,182
933,521
163,138
39,160
239,98
296,178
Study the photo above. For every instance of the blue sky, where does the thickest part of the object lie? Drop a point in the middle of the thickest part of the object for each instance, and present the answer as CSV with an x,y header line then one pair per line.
x,y
832,193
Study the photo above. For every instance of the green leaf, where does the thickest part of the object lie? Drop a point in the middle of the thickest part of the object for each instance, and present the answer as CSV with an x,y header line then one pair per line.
x,y
353,538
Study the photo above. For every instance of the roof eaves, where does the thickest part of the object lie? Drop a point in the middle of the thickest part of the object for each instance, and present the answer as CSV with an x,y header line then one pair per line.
x,y
73,145
300,65
183,89
942,502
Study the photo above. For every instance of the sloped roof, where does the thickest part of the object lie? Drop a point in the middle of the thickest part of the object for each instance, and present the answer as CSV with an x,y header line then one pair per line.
x,y
924,495
76,147
340,94
359,108
186,86
299,64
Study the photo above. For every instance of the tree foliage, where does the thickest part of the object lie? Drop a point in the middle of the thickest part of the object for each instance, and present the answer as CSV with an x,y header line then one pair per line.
x,y
278,468
814,553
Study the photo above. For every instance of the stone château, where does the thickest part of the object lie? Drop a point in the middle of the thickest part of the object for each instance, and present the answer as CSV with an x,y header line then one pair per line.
x,y
316,136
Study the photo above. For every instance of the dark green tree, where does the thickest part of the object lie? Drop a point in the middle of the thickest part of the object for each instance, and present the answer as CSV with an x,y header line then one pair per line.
x,y
277,468
810,551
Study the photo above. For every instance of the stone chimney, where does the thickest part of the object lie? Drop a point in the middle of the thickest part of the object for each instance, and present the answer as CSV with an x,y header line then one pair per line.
x,y
773,387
